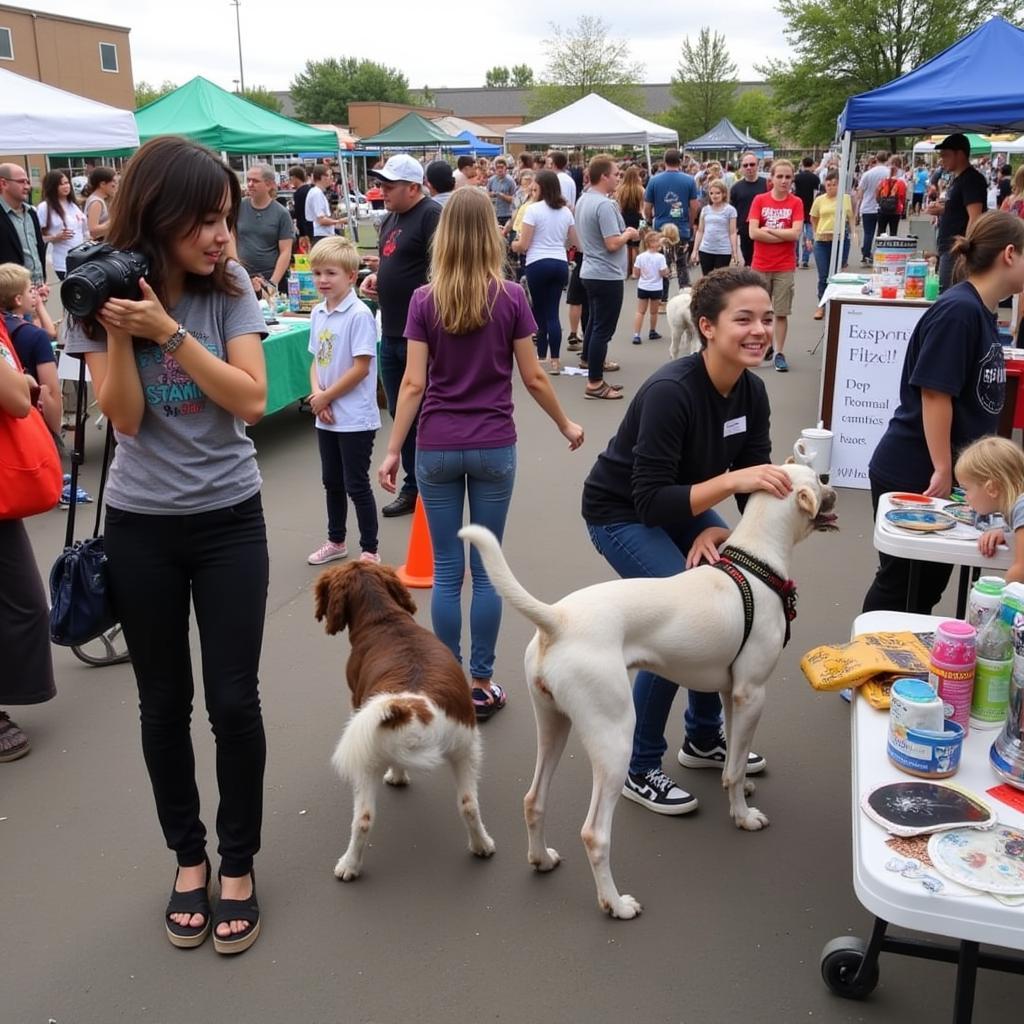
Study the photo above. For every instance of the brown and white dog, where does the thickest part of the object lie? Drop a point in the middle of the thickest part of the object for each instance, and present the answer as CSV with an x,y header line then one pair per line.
x,y
413,707
689,628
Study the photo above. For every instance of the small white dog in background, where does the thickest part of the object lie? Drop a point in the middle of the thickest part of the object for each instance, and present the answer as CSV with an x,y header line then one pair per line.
x,y
680,326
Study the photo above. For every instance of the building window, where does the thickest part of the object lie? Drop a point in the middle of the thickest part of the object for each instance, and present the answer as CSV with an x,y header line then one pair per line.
x,y
6,44
108,56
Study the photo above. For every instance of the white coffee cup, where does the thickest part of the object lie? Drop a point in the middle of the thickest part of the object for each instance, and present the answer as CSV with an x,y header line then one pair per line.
x,y
814,448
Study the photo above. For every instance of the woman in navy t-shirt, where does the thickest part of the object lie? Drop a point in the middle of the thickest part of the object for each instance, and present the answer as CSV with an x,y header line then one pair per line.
x,y
951,393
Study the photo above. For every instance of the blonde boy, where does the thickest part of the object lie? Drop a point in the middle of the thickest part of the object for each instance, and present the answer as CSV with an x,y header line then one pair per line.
x,y
32,340
343,383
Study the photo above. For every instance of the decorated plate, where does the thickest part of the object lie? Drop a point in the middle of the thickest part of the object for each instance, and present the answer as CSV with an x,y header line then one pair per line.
x,y
919,807
961,513
909,501
920,520
991,861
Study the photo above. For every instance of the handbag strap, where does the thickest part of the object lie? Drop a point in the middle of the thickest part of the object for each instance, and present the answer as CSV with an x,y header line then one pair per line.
x,y
78,457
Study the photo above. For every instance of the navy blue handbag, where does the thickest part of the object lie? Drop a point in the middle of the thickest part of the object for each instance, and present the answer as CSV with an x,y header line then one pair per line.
x,y
79,602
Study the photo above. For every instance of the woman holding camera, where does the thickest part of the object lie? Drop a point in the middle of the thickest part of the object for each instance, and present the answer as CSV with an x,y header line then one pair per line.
x,y
178,368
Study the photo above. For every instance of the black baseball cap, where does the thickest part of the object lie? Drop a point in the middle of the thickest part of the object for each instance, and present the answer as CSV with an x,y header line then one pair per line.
x,y
956,141
440,175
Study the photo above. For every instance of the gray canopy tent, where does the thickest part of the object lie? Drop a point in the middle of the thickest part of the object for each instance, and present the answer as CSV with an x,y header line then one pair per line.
x,y
725,136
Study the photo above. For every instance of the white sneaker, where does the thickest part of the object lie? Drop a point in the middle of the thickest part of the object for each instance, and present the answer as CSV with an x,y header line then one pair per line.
x,y
370,556
328,552
659,793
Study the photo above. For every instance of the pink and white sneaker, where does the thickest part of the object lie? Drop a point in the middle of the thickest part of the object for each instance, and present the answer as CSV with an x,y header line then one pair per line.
x,y
370,556
328,552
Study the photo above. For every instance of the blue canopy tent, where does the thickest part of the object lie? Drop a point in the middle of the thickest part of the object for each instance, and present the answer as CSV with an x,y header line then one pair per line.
x,y
975,85
475,146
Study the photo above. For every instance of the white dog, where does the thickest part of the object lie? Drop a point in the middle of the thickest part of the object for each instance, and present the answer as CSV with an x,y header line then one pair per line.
x,y
689,628
680,326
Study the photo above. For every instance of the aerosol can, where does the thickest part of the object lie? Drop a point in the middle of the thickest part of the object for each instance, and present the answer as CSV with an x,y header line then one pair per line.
x,y
1007,753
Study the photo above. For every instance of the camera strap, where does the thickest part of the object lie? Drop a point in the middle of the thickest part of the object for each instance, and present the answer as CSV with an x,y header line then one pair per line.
x,y
78,457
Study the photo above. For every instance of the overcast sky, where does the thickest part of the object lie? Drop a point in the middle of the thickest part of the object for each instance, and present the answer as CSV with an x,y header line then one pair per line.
x,y
433,44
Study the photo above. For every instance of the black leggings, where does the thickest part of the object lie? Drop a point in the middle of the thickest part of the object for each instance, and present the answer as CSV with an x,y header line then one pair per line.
x,y
218,560
712,261
888,224
888,590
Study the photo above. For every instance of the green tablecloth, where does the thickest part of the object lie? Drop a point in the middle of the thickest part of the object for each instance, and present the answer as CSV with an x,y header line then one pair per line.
x,y
288,360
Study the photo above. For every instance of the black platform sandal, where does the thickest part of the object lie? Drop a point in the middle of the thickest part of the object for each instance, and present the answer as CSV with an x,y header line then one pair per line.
x,y
237,910
195,901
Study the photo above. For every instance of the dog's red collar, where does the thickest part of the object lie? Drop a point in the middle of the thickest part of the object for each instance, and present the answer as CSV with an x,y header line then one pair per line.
x,y
732,560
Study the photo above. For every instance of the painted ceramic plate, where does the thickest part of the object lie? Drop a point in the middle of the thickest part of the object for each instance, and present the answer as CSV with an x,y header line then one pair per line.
x,y
909,501
921,520
961,513
990,861
917,808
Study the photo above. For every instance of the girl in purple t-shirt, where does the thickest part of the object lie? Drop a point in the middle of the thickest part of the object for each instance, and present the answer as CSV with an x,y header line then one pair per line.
x,y
467,326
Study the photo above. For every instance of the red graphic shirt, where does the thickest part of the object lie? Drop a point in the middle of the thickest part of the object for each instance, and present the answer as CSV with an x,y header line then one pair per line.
x,y
775,214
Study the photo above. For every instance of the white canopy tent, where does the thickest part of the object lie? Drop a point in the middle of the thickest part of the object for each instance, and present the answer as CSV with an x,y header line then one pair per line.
x,y
593,121
37,118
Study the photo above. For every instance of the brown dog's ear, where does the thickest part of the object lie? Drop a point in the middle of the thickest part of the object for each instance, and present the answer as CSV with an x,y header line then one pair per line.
x,y
331,602
397,589
807,501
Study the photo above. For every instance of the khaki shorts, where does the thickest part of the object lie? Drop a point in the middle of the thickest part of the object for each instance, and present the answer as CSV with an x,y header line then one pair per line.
x,y
780,288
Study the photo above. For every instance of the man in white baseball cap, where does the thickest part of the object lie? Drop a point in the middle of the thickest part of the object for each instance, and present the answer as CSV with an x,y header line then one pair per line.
x,y
403,264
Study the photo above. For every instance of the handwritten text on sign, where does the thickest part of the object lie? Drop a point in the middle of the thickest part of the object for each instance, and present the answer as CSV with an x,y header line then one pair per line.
x,y
869,362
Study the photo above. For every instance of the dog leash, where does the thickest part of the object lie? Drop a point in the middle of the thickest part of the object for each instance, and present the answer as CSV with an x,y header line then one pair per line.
x,y
732,561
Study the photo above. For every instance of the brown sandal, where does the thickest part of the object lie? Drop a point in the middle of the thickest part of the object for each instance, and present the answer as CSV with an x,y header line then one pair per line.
x,y
610,366
605,391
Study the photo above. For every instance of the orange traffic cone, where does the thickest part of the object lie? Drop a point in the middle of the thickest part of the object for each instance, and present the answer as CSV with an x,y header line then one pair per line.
x,y
418,570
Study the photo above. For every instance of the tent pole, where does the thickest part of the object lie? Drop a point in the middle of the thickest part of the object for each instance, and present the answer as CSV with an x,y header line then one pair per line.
x,y
647,150
848,155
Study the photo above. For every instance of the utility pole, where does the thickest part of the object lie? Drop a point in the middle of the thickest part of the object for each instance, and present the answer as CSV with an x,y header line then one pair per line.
x,y
238,25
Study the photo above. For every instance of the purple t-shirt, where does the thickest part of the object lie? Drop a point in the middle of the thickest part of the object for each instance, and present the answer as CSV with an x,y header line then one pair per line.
x,y
468,401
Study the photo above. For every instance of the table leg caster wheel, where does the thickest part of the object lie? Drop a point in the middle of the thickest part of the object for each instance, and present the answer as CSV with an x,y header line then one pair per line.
x,y
841,961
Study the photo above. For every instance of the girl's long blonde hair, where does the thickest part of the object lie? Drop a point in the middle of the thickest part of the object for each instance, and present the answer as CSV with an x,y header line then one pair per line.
x,y
630,193
466,264
995,459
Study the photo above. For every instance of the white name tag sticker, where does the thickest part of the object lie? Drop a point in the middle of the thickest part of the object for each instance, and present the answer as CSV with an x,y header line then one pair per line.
x,y
736,426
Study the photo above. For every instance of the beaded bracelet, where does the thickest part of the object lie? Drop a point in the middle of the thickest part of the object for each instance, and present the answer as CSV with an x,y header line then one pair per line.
x,y
173,343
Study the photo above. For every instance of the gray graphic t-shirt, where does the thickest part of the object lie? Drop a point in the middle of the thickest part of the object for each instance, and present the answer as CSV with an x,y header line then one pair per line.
x,y
189,454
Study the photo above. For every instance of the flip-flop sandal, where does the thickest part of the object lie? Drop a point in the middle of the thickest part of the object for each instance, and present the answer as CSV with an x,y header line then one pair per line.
x,y
237,910
605,391
555,371
487,703
611,366
195,901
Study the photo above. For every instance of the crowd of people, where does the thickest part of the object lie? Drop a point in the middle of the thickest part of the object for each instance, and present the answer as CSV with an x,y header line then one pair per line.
x,y
470,268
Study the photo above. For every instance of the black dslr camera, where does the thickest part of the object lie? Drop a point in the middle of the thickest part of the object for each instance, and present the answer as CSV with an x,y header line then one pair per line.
x,y
97,272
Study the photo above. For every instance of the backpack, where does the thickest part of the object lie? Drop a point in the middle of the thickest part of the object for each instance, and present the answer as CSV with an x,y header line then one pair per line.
x,y
889,200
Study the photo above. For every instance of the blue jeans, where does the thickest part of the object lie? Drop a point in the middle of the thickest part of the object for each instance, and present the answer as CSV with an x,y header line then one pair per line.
x,y
822,255
392,370
803,254
444,478
546,279
634,550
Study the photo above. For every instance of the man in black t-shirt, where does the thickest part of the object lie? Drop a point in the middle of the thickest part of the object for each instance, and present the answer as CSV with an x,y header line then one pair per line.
x,y
741,195
966,199
1005,185
297,179
403,264
806,186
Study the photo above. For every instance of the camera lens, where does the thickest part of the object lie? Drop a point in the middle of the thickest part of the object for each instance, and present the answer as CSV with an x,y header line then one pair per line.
x,y
85,290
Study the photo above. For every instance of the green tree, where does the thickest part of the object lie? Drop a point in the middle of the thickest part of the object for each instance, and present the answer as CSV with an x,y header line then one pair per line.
x,y
583,59
522,76
496,77
262,98
323,90
146,93
703,86
755,113
846,47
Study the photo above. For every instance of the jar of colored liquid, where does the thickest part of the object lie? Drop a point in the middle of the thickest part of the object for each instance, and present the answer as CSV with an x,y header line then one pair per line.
x,y
992,680
931,287
985,600
951,670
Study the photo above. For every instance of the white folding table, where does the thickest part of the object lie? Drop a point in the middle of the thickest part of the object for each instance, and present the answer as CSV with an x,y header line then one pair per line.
x,y
850,965
958,546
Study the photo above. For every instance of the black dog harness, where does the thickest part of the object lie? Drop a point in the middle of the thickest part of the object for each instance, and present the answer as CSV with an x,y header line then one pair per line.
x,y
733,562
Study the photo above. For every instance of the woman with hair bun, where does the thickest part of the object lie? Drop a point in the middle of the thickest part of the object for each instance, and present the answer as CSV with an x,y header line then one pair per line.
x,y
696,433
951,393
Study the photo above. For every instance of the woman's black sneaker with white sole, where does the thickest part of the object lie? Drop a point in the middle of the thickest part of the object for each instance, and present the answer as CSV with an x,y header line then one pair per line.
x,y
654,790
692,756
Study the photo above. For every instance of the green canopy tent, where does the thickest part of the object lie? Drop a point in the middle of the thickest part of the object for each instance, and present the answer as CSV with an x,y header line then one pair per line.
x,y
412,132
228,123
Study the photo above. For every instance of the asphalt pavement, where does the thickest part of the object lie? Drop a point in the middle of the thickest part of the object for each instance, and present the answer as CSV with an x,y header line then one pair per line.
x,y
733,922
